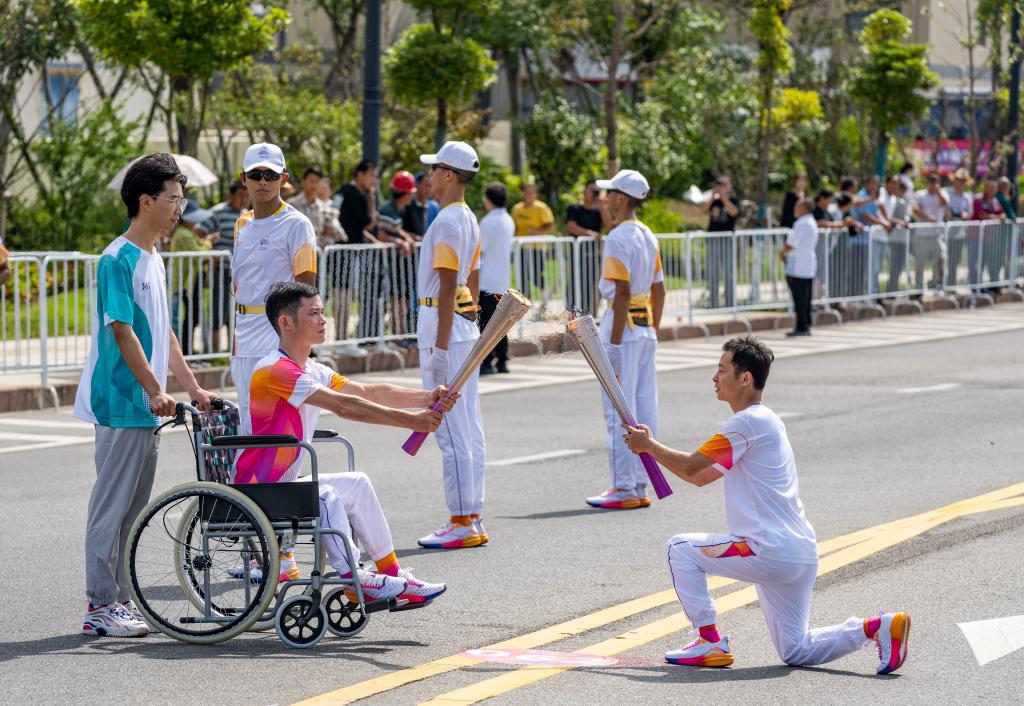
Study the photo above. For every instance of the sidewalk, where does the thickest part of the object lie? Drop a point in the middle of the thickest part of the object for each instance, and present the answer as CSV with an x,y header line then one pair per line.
x,y
23,391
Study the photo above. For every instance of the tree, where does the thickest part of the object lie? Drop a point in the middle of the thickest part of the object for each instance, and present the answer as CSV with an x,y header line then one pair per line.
x,y
187,40
561,143
76,162
631,39
432,65
510,31
774,59
889,82
344,18
31,33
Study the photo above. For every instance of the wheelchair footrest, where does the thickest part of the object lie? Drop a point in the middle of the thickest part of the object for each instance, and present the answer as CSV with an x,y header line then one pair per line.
x,y
408,605
381,604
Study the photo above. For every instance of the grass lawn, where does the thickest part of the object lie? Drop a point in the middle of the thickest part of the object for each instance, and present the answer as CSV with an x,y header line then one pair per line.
x,y
69,314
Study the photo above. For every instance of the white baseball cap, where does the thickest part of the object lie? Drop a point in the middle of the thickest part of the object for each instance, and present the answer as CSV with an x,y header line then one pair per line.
x,y
264,154
457,155
628,181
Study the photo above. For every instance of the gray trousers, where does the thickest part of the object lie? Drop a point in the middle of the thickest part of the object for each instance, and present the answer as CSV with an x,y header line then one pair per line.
x,y
125,466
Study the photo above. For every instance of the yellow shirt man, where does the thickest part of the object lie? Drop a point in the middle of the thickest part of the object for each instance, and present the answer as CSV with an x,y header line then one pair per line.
x,y
531,216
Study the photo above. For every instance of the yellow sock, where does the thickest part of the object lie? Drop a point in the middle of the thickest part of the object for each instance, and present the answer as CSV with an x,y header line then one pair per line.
x,y
388,564
464,520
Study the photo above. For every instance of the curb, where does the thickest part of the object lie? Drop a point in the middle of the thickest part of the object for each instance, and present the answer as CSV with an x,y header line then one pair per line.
x,y
33,397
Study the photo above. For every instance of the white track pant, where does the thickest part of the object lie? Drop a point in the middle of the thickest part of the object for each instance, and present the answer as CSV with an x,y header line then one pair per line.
x,y
640,387
784,589
460,436
242,368
347,500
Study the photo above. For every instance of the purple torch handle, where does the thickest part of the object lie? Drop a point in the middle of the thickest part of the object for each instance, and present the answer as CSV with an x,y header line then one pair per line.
x,y
415,441
661,486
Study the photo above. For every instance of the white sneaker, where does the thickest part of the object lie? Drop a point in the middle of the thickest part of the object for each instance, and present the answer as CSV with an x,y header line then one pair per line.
x,y
701,653
481,530
112,621
133,610
377,586
418,591
452,536
616,499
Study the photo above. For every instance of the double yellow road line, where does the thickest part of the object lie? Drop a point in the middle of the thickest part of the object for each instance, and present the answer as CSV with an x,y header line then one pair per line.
x,y
835,554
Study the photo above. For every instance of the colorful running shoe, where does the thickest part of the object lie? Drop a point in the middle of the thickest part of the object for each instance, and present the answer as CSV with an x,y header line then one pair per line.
x,y
701,653
377,586
616,499
112,621
289,570
452,536
478,523
418,591
892,641
641,491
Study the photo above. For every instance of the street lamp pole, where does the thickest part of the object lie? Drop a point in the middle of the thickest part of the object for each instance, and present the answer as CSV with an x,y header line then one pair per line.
x,y
1013,121
371,83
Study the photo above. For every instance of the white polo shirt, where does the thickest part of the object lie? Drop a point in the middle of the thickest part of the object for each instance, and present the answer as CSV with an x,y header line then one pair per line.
x,y
267,251
762,493
802,261
452,242
630,255
497,230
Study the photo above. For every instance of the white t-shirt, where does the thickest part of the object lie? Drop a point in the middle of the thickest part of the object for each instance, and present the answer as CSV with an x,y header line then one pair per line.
x,y
960,203
801,260
452,242
932,205
131,288
762,493
630,255
497,229
277,405
267,251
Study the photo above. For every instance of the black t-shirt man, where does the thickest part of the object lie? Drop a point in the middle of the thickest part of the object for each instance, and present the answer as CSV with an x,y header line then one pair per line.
x,y
414,218
719,218
354,214
588,218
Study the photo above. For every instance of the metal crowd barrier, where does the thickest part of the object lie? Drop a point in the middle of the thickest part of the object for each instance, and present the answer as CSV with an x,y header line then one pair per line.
x,y
370,290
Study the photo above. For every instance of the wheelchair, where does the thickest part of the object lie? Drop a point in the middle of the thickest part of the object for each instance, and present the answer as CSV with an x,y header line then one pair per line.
x,y
185,542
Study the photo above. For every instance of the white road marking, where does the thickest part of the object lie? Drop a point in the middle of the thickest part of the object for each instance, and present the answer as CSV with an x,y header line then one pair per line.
x,y
69,424
992,639
537,457
941,387
17,436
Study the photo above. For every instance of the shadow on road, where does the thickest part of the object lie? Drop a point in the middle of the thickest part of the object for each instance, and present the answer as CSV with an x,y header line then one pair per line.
x,y
555,514
246,647
671,674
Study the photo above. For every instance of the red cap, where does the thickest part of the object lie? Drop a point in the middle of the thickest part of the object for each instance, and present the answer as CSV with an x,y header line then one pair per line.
x,y
403,182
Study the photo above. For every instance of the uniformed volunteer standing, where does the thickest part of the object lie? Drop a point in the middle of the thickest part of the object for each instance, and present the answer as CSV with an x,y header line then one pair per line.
x,y
447,280
274,242
631,283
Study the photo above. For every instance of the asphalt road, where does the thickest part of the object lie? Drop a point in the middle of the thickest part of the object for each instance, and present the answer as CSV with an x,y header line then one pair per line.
x,y
880,434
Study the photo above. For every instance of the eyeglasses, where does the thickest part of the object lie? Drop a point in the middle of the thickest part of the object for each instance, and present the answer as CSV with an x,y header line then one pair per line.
x,y
265,174
443,166
179,201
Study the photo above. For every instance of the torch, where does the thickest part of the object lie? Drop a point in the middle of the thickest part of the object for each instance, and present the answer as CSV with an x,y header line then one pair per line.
x,y
512,307
584,332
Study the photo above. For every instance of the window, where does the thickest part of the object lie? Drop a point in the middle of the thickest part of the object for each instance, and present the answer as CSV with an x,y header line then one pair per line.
x,y
60,94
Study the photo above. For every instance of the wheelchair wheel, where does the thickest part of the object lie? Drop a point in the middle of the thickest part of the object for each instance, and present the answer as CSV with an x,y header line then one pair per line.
x,y
207,531
345,618
301,622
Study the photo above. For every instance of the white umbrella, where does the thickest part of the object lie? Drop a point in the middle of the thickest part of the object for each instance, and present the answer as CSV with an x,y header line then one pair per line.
x,y
197,173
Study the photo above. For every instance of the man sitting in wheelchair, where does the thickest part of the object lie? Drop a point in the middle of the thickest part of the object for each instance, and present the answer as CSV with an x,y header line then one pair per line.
x,y
287,392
